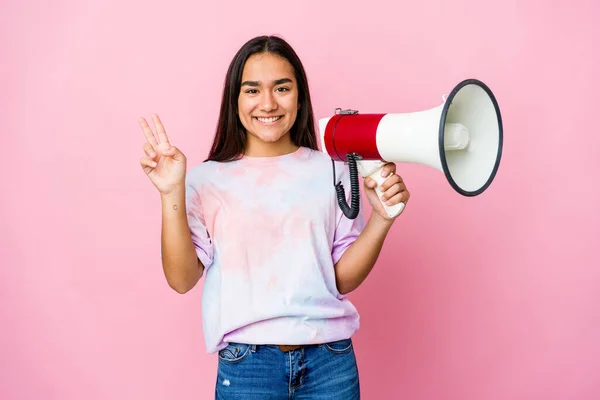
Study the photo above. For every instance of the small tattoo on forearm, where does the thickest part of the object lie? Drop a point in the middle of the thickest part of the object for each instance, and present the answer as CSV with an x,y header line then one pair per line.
x,y
175,207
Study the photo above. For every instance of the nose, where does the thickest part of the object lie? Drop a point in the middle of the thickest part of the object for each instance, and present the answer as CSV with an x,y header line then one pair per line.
x,y
268,102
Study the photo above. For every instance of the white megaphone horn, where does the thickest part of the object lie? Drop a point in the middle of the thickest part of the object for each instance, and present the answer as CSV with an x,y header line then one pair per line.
x,y
462,138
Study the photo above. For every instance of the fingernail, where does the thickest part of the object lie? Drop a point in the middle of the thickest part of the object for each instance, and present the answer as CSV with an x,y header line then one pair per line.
x,y
153,164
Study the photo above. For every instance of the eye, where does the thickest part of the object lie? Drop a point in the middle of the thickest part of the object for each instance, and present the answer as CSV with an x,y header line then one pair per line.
x,y
282,89
251,91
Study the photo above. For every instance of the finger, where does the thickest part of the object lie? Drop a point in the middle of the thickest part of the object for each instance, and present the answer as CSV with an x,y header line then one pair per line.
x,y
148,132
147,164
149,150
401,197
392,191
160,130
388,169
389,182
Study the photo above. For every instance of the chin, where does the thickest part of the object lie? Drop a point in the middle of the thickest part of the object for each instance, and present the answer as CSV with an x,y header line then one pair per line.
x,y
269,137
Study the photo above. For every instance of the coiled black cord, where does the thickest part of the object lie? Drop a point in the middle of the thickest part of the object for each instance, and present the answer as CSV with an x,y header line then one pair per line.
x,y
350,211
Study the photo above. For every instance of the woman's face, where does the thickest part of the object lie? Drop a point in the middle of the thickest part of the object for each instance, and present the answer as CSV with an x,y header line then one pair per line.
x,y
268,100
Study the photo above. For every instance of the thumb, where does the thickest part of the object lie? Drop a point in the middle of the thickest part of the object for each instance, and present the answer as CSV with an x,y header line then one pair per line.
x,y
175,153
370,182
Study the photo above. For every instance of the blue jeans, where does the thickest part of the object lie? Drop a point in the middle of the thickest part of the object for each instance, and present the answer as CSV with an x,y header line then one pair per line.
x,y
324,371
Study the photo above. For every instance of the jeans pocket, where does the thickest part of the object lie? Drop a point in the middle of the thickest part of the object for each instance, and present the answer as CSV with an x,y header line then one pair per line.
x,y
343,346
234,353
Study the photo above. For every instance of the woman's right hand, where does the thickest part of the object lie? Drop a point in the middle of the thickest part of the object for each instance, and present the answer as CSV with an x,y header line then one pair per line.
x,y
164,164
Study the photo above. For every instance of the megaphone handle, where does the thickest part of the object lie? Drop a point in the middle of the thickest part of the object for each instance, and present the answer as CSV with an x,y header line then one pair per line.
x,y
392,211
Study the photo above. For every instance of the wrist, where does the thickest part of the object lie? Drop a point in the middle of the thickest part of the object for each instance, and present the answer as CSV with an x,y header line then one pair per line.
x,y
381,222
174,195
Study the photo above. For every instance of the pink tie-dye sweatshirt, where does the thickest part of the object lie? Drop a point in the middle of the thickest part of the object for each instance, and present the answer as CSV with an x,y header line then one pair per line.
x,y
269,231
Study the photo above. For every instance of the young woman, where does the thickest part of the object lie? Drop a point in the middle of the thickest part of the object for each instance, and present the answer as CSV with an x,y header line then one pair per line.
x,y
260,219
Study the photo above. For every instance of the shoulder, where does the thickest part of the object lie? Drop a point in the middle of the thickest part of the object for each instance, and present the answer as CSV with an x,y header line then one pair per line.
x,y
323,165
198,174
317,157
202,168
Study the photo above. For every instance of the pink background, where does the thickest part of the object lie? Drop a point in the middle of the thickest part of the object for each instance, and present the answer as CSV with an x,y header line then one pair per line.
x,y
493,297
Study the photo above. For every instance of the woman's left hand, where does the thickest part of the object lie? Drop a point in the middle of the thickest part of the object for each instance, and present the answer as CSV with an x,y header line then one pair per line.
x,y
393,189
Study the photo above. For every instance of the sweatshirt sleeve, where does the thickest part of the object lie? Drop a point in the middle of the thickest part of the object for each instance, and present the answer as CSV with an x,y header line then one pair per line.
x,y
197,224
347,230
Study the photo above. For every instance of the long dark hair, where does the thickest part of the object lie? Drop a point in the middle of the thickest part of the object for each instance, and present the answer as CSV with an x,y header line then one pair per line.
x,y
230,138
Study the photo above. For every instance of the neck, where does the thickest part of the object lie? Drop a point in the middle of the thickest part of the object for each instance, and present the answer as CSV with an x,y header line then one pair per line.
x,y
257,148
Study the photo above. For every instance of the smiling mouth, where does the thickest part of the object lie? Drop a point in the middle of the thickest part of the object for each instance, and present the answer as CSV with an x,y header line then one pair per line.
x,y
269,120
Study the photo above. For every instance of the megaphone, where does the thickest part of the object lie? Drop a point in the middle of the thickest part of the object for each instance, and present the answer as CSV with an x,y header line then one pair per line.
x,y
462,137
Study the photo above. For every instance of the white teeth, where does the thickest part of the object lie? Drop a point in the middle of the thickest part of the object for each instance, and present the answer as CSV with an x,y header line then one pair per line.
x,y
268,120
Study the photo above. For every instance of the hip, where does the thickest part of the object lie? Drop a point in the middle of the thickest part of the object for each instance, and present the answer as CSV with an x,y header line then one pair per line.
x,y
320,371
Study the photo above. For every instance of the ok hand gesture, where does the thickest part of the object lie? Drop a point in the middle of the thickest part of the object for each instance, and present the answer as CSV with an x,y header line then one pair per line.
x,y
164,164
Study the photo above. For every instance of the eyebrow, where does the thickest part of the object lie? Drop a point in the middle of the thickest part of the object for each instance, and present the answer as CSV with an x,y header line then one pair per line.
x,y
276,82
